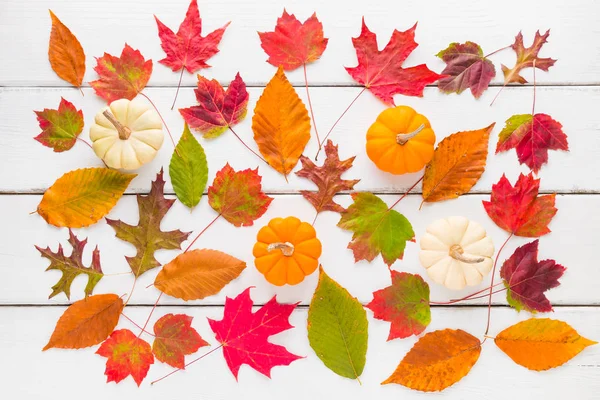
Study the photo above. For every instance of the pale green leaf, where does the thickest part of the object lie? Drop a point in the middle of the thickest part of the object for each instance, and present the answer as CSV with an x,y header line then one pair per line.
x,y
188,169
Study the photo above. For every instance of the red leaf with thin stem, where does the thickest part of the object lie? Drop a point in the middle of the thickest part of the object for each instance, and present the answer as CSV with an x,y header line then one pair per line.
x,y
126,355
60,128
175,338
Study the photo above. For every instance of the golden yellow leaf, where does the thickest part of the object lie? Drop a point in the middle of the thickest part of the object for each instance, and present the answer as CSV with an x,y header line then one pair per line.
x,y
541,343
81,197
438,360
281,124
198,273
457,165
65,53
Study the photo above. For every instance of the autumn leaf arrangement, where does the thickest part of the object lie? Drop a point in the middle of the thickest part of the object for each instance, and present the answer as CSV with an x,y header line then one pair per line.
x,y
455,251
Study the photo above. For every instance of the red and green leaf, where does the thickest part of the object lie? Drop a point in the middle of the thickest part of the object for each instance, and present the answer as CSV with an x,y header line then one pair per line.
x,y
527,58
60,128
126,355
174,339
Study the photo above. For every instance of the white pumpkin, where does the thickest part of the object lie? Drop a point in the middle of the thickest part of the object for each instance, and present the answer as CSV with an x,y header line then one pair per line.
x,y
127,134
456,252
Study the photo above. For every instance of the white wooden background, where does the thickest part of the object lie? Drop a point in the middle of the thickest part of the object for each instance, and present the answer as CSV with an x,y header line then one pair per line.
x,y
570,92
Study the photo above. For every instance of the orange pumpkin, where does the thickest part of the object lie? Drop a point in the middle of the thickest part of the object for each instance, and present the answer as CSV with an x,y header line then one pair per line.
x,y
400,141
286,251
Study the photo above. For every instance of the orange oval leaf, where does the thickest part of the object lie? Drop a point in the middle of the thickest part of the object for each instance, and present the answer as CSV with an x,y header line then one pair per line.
x,y
198,273
281,124
541,343
65,53
87,322
438,360
457,165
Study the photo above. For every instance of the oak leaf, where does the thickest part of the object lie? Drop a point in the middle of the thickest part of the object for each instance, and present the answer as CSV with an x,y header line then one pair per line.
x,y
86,322
72,266
438,360
293,44
65,53
532,136
126,355
121,77
146,236
338,328
244,335
81,197
457,164
174,339
541,343
519,210
376,229
526,278
381,71
237,196
405,303
60,128
527,58
328,179
218,109
281,124
466,68
197,274
188,169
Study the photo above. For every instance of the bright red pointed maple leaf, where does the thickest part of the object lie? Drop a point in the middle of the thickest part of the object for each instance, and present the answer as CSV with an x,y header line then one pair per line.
x,y
218,109
238,196
519,209
532,136
405,303
60,128
244,334
126,355
527,279
526,58
294,43
121,77
328,179
381,71
175,338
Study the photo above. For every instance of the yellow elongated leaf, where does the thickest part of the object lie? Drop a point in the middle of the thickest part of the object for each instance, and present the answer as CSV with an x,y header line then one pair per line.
x,y
198,273
80,198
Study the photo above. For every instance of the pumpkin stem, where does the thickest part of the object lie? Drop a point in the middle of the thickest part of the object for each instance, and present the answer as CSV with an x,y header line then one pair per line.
x,y
456,252
286,248
124,132
402,138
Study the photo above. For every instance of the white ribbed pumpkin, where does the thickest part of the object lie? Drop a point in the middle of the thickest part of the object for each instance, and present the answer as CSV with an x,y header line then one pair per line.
x,y
127,134
456,252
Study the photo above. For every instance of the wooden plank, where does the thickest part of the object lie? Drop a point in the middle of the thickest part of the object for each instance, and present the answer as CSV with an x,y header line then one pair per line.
x,y
106,26
573,243
25,330
38,167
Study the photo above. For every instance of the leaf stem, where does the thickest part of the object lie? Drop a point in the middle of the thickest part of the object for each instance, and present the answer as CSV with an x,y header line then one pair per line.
x,y
201,232
246,146
472,296
150,315
497,51
188,364
178,86
487,328
406,193
118,274
163,120
338,120
131,291
312,114
91,147
315,219
135,324
81,91
533,106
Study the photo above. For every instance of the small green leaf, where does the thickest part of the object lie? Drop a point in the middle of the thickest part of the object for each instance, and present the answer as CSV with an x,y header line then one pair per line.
x,y
188,169
338,328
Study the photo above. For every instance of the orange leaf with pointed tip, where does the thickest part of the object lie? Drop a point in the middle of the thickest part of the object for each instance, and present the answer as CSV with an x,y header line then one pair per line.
x,y
438,360
541,343
65,53
457,164
281,124
126,355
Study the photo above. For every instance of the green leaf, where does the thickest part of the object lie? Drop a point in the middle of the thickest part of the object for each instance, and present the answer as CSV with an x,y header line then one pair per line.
x,y
338,328
377,229
188,169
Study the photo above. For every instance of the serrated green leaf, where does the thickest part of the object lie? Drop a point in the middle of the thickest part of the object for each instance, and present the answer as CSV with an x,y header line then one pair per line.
x,y
338,328
188,169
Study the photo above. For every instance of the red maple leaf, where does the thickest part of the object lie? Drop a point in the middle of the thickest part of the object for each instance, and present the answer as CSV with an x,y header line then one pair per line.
x,y
519,210
121,77
381,71
527,279
218,109
127,355
527,58
188,48
60,128
532,136
294,43
244,334
328,179
238,195
175,338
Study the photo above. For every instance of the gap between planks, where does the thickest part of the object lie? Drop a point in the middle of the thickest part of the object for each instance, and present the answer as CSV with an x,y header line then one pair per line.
x,y
592,305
